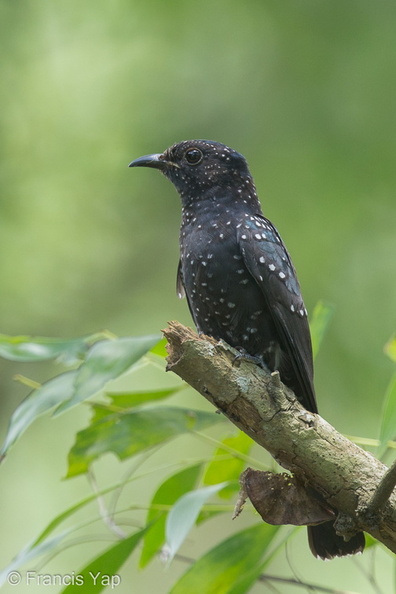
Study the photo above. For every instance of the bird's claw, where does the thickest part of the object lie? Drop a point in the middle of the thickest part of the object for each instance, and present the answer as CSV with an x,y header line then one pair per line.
x,y
242,355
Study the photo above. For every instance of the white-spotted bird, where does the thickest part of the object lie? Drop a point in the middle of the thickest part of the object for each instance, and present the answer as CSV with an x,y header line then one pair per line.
x,y
240,283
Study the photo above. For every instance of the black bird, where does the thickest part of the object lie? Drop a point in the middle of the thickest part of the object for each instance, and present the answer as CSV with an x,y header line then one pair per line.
x,y
240,283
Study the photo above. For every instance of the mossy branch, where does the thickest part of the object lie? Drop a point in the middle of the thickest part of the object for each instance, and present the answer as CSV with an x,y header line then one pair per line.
x,y
346,476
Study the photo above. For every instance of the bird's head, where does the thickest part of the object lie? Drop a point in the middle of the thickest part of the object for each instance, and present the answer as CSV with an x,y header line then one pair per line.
x,y
200,167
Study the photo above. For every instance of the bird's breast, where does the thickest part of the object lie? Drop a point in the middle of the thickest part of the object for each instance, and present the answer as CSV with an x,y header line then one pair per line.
x,y
224,299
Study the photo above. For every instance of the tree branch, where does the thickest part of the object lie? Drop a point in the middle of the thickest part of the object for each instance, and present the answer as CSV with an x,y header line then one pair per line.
x,y
258,403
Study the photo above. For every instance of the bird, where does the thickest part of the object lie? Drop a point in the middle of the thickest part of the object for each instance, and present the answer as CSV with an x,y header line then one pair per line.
x,y
239,280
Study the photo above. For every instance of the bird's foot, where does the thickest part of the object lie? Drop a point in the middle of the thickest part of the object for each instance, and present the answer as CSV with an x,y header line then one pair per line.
x,y
243,355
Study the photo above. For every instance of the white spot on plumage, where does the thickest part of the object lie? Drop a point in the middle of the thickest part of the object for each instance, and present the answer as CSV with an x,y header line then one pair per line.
x,y
230,304
282,275
262,260
272,267
257,236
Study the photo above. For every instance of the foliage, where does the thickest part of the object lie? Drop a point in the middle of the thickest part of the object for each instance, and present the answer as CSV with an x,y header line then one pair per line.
x,y
131,424
305,90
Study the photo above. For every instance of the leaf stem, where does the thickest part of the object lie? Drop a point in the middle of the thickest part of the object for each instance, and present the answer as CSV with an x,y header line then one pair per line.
x,y
220,445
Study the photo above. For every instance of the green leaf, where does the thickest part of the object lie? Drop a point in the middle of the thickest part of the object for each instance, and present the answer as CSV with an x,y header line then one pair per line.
x,y
31,349
131,399
225,467
183,515
390,348
159,349
319,324
388,423
125,401
232,566
37,403
370,541
107,360
127,434
166,495
55,522
30,552
101,572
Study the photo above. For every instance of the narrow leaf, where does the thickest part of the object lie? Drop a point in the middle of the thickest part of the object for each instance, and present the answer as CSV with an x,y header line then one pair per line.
x,y
388,423
183,515
37,403
31,551
131,399
106,361
232,566
125,401
160,348
39,348
319,324
55,522
101,572
170,490
390,348
228,468
127,434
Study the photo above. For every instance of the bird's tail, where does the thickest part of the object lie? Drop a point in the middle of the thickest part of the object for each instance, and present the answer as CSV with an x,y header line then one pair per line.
x,y
325,543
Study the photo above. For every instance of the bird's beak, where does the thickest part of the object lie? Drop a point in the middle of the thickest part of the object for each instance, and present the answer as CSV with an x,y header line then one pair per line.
x,y
157,161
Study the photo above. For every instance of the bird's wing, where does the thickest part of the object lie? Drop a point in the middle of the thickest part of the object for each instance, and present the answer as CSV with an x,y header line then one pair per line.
x,y
179,282
181,292
268,261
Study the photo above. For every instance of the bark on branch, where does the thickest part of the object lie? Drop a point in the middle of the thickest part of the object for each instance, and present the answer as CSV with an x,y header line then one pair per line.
x,y
258,403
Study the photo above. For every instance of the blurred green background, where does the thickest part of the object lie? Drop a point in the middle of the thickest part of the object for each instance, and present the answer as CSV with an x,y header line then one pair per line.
x,y
305,90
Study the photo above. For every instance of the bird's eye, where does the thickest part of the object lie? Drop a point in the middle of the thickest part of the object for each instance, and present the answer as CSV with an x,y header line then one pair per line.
x,y
194,156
